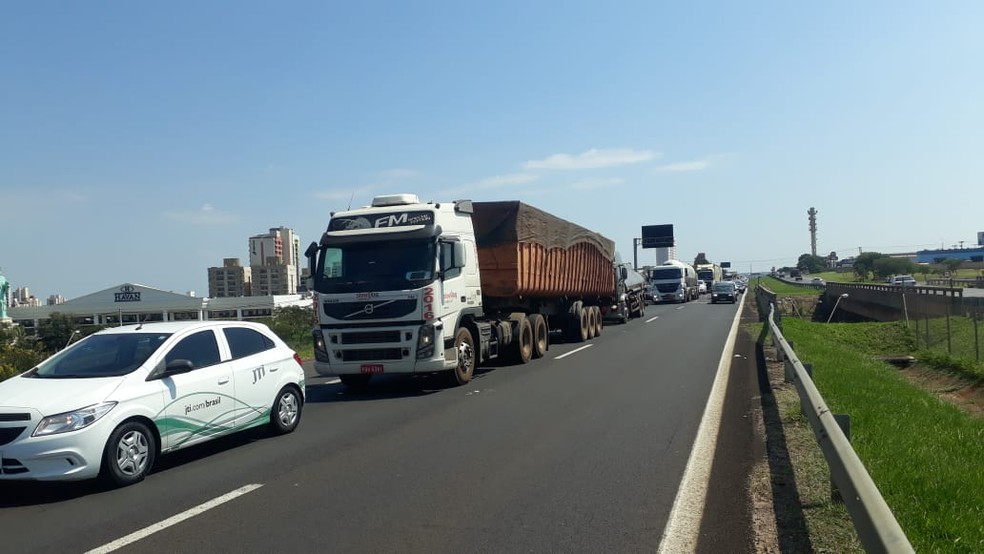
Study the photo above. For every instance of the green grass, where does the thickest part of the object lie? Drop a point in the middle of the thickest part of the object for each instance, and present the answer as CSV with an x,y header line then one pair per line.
x,y
783,288
926,456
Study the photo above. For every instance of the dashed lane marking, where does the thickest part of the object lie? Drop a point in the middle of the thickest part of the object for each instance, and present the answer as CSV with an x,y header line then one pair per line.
x,y
173,520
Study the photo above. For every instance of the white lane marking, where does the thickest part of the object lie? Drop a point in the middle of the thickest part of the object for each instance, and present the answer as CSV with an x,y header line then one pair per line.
x,y
566,354
680,307
173,520
683,526
654,318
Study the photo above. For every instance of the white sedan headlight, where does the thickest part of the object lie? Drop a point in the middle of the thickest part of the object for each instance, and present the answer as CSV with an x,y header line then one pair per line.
x,y
72,421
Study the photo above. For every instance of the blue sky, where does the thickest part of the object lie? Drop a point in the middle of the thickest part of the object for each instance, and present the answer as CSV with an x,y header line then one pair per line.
x,y
146,142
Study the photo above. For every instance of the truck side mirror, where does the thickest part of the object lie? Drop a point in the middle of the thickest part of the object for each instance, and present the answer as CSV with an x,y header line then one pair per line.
x,y
458,255
311,254
623,273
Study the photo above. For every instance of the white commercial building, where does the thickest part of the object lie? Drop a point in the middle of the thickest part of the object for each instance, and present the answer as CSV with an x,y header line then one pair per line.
x,y
132,303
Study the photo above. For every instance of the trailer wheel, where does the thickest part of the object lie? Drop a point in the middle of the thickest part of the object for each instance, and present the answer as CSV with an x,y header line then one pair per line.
x,y
465,347
541,335
599,321
524,342
592,322
584,332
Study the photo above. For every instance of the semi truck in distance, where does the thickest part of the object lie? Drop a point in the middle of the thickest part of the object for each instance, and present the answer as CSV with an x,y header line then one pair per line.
x,y
674,281
709,273
407,287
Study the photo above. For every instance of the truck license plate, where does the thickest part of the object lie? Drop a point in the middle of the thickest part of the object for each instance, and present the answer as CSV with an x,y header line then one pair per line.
x,y
371,368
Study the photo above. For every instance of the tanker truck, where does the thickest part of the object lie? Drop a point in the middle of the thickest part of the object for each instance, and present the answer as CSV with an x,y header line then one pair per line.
x,y
405,287
630,289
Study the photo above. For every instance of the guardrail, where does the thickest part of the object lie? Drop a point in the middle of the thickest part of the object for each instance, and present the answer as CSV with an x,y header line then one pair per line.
x,y
873,520
976,282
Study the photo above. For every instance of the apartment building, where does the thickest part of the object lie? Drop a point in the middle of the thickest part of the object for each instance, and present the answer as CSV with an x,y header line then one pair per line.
x,y
230,280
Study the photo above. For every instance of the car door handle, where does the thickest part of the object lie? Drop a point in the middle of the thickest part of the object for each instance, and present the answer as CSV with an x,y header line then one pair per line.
x,y
223,380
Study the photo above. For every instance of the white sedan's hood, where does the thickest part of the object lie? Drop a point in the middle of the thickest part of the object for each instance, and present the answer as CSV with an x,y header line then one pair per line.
x,y
55,396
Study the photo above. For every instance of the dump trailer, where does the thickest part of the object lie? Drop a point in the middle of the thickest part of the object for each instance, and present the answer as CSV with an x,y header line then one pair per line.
x,y
408,287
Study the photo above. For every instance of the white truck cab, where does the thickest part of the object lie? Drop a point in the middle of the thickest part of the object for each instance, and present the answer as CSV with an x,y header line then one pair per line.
x,y
392,281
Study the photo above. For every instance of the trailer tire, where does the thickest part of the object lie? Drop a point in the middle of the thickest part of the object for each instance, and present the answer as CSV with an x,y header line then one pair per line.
x,y
524,341
592,322
464,345
584,331
541,335
599,321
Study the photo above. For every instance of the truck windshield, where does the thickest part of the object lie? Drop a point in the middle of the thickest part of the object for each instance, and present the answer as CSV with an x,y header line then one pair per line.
x,y
705,275
666,273
375,266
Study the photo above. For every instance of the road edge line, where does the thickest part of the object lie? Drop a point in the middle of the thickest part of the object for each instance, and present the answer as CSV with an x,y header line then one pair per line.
x,y
682,529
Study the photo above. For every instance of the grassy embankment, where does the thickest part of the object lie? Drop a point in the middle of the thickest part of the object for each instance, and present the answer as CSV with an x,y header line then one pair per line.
x,y
925,455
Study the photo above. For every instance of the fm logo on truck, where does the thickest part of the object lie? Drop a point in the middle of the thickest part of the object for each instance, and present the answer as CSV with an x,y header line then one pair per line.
x,y
396,219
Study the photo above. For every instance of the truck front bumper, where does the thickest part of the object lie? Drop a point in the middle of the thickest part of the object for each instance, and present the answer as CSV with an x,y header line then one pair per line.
x,y
379,350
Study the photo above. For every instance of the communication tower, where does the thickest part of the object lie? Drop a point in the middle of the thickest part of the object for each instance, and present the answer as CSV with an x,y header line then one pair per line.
x,y
812,212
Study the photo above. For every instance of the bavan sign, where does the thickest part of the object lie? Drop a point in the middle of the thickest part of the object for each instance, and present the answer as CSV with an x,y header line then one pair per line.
x,y
126,294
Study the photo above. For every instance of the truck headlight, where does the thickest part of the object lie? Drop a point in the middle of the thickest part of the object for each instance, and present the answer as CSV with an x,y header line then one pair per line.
x,y
425,341
72,421
320,349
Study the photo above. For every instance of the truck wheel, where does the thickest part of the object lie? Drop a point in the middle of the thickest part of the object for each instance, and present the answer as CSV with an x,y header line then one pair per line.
x,y
465,347
592,322
584,333
599,321
541,335
129,454
524,342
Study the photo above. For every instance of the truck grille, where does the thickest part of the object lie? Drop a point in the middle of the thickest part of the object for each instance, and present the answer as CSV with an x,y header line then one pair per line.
x,y
371,337
667,287
372,355
374,309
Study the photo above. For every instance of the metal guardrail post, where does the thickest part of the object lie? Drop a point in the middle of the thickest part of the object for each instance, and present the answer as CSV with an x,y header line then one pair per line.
x,y
844,422
873,520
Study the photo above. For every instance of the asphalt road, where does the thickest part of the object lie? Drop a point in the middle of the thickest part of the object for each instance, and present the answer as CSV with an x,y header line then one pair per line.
x,y
576,453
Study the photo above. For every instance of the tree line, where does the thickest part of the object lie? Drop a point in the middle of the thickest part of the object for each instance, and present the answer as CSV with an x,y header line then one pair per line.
x,y
878,266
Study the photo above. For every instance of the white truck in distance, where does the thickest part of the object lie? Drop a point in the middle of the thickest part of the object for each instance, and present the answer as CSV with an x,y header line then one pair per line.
x,y
674,281
408,287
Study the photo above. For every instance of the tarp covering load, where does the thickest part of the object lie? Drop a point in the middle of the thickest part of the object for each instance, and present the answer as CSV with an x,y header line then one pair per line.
x,y
524,251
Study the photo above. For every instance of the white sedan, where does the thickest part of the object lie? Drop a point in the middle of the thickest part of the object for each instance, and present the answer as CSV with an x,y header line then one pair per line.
x,y
111,403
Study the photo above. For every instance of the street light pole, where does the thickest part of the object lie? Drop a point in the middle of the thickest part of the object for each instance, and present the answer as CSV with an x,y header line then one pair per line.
x,y
839,298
